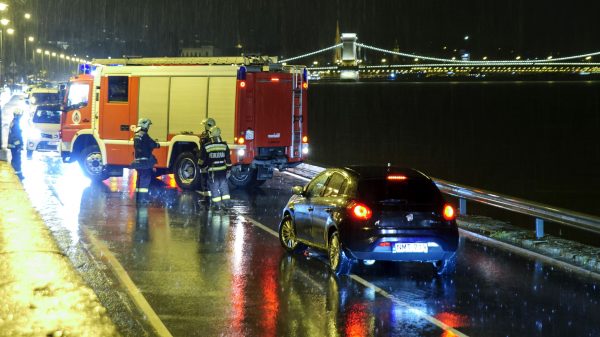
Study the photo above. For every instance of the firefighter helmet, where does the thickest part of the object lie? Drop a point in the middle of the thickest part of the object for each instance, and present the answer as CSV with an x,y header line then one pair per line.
x,y
144,123
214,132
208,123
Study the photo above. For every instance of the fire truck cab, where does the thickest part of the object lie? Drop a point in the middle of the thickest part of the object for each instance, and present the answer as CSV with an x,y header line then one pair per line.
x,y
259,106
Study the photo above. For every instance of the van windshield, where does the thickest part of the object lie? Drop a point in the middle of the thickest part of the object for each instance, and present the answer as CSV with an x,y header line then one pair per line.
x,y
48,116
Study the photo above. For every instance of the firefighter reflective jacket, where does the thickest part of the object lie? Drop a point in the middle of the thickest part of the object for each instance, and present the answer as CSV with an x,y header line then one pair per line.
x,y
214,156
143,146
15,135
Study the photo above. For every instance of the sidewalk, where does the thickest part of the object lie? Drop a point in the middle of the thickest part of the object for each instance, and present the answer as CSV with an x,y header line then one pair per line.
x,y
565,254
41,294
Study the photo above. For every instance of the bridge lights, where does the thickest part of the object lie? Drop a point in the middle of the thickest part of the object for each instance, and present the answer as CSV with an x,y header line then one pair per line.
x,y
518,58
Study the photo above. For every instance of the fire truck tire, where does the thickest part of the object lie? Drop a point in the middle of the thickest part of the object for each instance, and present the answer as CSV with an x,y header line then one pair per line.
x,y
186,171
245,179
91,163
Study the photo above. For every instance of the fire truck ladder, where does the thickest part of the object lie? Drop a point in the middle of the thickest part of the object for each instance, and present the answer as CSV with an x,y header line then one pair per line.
x,y
296,115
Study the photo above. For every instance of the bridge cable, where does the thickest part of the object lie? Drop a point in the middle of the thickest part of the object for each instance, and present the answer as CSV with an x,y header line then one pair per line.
x,y
312,53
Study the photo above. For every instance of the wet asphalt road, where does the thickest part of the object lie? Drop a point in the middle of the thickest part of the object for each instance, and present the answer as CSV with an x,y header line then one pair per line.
x,y
219,274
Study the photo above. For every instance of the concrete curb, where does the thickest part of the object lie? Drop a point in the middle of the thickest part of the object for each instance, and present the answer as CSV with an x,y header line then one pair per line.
x,y
41,292
568,255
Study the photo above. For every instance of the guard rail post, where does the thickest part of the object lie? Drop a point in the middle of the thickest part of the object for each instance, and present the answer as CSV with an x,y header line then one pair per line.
x,y
539,228
462,206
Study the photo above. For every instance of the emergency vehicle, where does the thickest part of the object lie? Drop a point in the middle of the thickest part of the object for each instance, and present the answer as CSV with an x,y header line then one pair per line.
x,y
259,106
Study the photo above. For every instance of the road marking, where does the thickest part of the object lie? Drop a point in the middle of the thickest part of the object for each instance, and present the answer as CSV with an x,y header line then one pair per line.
x,y
382,292
296,175
134,292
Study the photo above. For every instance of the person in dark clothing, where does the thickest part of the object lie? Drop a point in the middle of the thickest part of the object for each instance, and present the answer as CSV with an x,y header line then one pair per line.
x,y
205,138
215,160
15,141
144,160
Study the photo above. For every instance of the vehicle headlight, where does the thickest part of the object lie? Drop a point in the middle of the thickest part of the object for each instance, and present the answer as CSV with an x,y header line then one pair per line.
x,y
305,149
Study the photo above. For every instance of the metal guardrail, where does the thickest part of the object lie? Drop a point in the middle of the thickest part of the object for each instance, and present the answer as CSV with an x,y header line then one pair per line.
x,y
539,211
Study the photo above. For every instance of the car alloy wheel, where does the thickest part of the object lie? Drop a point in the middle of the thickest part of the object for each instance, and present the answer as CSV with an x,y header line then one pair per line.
x,y
287,235
338,262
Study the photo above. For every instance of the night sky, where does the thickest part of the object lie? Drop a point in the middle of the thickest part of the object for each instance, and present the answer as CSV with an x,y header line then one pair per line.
x,y
497,29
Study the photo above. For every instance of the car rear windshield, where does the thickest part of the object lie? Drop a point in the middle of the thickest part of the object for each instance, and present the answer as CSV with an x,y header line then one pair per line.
x,y
45,98
47,116
410,191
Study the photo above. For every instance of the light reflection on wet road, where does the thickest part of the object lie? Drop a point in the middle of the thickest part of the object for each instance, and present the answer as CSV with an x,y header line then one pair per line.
x,y
208,274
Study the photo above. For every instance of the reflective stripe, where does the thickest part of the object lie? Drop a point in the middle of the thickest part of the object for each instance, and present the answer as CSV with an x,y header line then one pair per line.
x,y
215,147
219,168
226,197
204,193
216,199
141,190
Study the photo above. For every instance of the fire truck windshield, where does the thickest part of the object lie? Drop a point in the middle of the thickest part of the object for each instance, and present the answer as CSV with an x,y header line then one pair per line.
x,y
78,95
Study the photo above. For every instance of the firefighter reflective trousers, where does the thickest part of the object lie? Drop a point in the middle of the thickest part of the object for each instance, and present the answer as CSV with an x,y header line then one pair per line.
x,y
144,176
217,183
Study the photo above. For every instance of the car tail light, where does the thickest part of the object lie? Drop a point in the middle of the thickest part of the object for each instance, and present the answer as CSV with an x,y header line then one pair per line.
x,y
449,213
360,211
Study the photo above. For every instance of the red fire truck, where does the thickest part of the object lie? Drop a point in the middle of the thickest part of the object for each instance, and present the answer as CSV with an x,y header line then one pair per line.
x,y
260,107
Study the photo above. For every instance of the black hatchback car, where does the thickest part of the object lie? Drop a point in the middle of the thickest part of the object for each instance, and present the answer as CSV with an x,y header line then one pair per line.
x,y
369,213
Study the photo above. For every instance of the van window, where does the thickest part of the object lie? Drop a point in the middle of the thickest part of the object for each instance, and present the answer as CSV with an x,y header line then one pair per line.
x,y
118,88
78,95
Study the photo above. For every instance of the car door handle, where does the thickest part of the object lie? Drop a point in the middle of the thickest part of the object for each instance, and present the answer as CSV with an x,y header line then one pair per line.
x,y
328,210
310,209
124,127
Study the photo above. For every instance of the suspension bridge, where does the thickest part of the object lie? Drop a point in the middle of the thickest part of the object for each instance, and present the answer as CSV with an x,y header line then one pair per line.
x,y
349,65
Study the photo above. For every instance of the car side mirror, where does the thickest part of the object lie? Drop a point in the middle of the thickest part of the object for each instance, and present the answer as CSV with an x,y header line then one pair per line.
x,y
298,190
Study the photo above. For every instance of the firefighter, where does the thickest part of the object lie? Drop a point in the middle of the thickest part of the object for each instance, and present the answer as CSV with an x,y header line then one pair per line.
x,y
204,138
15,141
144,160
215,160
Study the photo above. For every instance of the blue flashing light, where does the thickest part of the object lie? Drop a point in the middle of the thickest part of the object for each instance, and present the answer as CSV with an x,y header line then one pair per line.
x,y
241,74
304,75
85,68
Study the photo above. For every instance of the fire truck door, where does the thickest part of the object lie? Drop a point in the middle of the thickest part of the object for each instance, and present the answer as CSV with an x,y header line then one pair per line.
x,y
118,100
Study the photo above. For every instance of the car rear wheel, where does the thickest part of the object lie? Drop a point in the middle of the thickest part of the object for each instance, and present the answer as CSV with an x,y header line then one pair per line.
x,y
338,262
91,163
187,173
287,235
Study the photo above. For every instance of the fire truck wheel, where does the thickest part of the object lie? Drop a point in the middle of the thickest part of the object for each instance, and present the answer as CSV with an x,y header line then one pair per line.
x,y
187,174
243,178
91,163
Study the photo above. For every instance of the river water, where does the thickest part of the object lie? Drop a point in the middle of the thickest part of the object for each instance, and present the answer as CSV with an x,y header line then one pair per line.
x,y
536,140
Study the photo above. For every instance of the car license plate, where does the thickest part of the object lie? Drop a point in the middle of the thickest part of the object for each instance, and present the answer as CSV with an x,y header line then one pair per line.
x,y
410,247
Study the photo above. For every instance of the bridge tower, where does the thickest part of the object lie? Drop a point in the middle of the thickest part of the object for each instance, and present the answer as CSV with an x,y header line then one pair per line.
x,y
349,49
349,64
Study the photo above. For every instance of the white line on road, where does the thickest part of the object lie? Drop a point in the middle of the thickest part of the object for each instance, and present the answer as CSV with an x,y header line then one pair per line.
x,y
134,292
382,292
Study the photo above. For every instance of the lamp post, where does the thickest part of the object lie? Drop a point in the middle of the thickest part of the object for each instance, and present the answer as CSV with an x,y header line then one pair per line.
x,y
3,7
25,39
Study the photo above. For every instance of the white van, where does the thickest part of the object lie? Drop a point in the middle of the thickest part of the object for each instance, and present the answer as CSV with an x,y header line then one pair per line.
x,y
40,96
43,134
